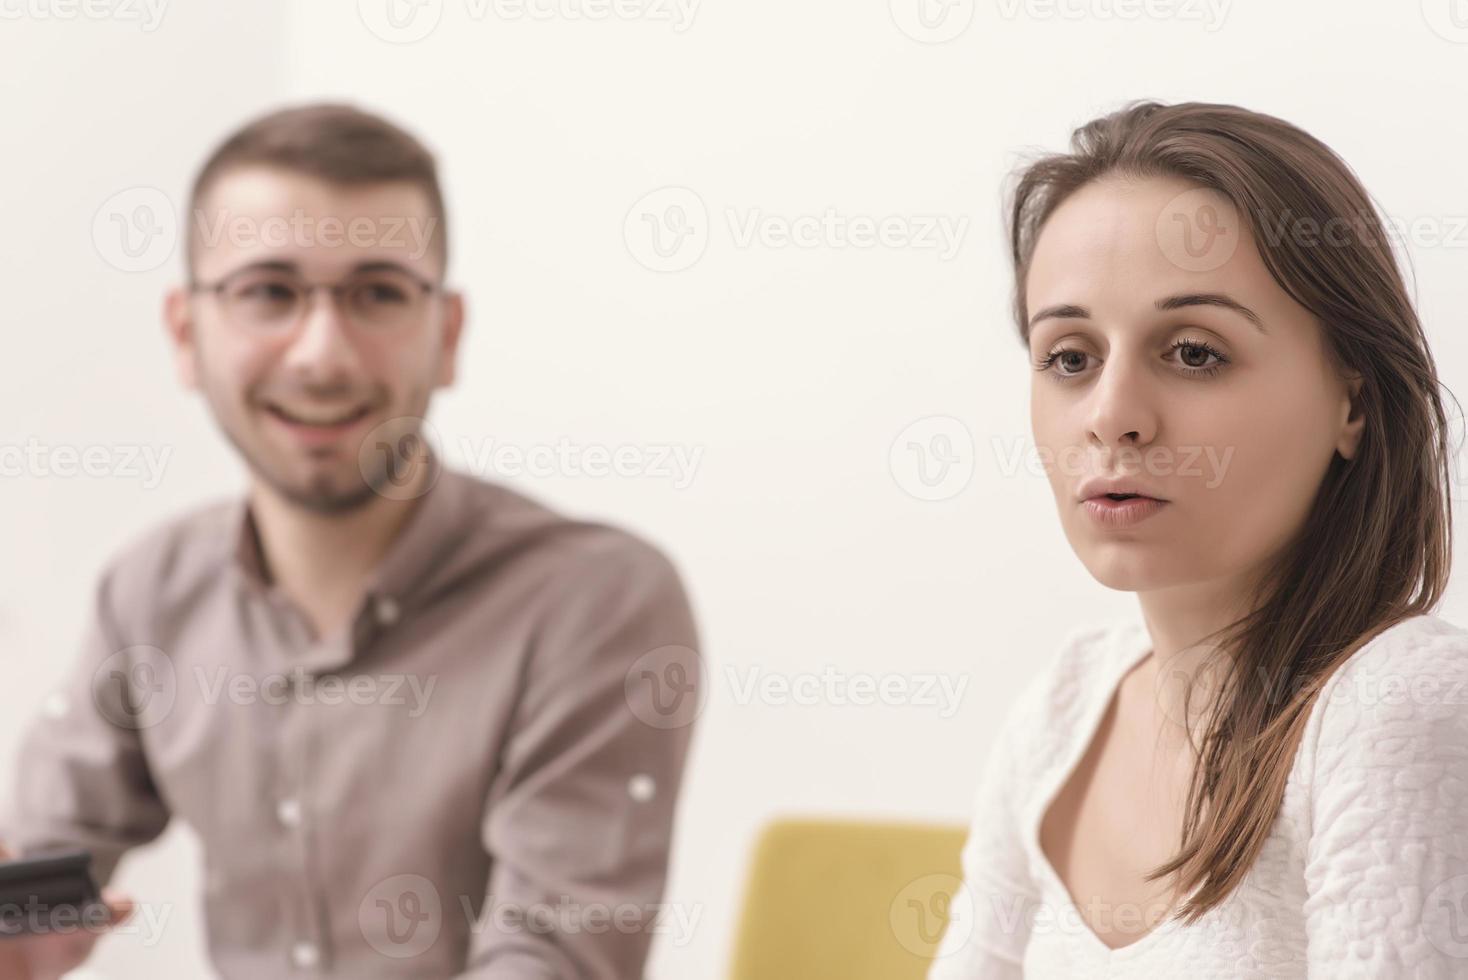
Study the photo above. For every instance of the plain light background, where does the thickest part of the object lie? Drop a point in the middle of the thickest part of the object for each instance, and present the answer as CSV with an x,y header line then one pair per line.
x,y
800,373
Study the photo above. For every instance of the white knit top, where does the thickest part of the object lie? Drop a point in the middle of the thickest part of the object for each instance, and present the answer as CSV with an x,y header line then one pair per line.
x,y
1364,874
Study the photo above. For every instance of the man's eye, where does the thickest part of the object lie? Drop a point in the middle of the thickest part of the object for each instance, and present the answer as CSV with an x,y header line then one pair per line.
x,y
382,293
272,292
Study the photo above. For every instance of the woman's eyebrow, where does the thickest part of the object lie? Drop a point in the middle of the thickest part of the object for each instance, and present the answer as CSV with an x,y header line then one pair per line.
x,y
1063,311
1223,300
1070,311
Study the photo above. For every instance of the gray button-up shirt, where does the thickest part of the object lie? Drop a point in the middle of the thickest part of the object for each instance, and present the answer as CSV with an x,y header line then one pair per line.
x,y
478,777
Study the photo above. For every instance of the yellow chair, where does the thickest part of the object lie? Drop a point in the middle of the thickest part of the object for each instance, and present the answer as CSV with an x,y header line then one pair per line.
x,y
846,900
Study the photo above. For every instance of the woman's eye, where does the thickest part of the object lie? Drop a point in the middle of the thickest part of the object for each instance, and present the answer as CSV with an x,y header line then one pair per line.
x,y
1191,357
1072,361
1065,361
1194,355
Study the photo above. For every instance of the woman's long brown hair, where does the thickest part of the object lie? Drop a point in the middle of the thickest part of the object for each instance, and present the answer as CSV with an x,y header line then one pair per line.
x,y
1376,547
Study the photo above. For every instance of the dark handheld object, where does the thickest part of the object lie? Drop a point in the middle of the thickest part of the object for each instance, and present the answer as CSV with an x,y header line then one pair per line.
x,y
49,893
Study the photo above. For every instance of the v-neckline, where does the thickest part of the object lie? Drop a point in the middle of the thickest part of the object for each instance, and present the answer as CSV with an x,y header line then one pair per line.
x,y
1128,643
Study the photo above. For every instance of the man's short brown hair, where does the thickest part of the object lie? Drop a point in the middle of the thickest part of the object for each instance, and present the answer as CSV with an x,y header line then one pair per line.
x,y
335,142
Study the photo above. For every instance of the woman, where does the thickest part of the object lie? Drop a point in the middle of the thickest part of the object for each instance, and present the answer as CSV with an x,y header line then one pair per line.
x,y
1264,773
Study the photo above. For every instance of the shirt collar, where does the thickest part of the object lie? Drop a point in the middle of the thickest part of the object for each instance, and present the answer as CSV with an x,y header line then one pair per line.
x,y
436,524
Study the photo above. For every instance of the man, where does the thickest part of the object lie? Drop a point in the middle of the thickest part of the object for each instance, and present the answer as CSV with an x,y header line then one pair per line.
x,y
420,723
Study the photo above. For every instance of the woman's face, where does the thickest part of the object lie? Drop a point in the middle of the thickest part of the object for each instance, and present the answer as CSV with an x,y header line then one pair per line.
x,y
1233,430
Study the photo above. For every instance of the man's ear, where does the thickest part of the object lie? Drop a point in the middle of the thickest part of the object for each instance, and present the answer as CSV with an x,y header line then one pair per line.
x,y
453,329
178,323
1353,421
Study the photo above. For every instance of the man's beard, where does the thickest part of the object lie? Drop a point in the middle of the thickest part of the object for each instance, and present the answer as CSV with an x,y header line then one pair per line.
x,y
371,474
375,475
324,493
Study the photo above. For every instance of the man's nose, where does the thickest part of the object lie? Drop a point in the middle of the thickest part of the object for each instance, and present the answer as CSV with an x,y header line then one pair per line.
x,y
324,344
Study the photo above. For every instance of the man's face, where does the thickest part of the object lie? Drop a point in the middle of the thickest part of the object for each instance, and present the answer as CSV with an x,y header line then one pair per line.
x,y
305,399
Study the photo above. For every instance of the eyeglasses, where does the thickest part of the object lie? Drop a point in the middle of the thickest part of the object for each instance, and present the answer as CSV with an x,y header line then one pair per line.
x,y
271,300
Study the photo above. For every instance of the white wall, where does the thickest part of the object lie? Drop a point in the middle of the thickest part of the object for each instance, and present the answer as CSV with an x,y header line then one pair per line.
x,y
791,370
93,108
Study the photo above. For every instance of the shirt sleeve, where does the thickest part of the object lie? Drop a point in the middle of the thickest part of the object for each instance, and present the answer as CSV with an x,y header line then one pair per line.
x,y
990,914
579,819
1387,866
82,778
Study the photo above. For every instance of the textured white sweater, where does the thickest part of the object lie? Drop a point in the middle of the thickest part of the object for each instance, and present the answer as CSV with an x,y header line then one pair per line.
x,y
1364,874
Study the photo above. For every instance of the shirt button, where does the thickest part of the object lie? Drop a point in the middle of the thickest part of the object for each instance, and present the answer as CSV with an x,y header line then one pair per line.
x,y
305,955
289,812
387,610
642,787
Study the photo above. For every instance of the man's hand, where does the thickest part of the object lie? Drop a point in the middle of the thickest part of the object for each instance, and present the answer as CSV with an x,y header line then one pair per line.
x,y
48,957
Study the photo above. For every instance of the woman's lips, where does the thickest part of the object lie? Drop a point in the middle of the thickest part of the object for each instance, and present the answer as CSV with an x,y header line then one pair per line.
x,y
1111,512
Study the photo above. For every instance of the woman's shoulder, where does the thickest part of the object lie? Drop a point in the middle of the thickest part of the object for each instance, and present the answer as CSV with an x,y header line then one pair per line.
x,y
1400,699
1082,667
1086,656
1423,651
1385,766
1044,714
